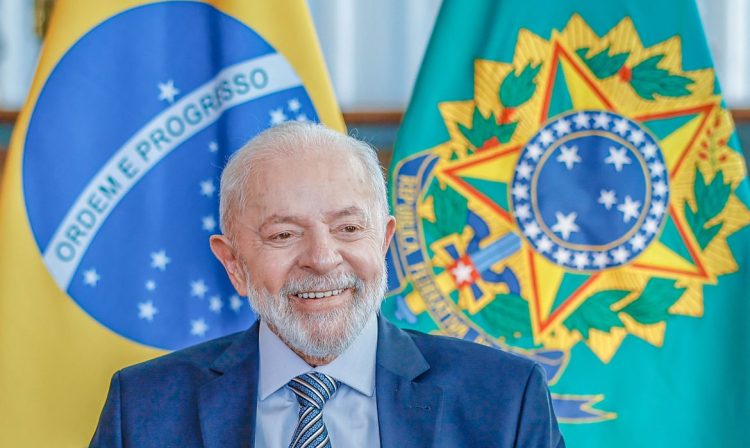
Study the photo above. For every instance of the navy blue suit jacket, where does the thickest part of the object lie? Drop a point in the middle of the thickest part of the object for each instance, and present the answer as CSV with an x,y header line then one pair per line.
x,y
431,391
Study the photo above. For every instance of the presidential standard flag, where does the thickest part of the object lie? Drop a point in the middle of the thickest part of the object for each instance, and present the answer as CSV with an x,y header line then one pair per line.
x,y
110,191
568,186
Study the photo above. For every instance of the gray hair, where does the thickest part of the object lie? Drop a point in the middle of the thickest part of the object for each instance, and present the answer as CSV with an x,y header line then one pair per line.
x,y
290,139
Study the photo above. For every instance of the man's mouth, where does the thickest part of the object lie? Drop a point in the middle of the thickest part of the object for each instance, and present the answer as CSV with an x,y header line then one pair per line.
x,y
318,294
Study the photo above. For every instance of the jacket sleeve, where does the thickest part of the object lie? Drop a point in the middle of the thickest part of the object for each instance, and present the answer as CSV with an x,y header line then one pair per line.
x,y
537,424
109,430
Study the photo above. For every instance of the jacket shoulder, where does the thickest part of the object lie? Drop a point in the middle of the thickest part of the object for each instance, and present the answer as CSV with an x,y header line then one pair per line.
x,y
476,381
469,362
191,359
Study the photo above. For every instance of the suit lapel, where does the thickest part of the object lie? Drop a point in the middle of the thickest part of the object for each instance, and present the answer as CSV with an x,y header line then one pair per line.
x,y
227,404
407,410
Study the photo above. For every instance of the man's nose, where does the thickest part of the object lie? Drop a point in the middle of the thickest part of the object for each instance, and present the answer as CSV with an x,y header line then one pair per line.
x,y
321,254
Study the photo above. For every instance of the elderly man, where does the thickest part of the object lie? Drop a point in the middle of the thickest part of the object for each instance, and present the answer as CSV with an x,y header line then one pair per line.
x,y
306,226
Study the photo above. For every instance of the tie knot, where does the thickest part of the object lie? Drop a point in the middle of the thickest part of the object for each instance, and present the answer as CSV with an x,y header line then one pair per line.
x,y
313,389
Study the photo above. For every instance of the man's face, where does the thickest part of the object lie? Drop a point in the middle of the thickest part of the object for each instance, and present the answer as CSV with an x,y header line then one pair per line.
x,y
309,250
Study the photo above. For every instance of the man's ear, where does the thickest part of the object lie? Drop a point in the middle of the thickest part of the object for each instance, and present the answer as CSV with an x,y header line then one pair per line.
x,y
390,229
222,248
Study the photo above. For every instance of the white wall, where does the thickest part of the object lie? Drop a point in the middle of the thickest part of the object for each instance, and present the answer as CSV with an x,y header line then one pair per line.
x,y
373,48
727,25
18,51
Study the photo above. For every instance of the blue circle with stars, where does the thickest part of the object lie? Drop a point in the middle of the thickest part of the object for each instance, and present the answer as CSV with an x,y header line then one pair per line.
x,y
590,190
148,274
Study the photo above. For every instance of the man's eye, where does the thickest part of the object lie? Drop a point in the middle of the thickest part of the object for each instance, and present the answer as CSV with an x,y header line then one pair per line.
x,y
281,236
350,229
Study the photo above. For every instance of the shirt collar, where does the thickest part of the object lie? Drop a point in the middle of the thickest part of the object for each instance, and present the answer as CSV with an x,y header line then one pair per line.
x,y
355,367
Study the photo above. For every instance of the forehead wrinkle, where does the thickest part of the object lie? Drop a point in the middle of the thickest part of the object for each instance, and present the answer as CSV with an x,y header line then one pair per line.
x,y
346,212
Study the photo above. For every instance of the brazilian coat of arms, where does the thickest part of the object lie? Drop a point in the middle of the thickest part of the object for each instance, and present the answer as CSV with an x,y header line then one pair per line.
x,y
585,195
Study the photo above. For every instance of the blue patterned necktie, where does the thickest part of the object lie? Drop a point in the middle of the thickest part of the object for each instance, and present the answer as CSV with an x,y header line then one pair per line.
x,y
313,390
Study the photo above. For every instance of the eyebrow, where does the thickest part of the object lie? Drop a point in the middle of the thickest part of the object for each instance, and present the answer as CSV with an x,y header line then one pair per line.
x,y
330,216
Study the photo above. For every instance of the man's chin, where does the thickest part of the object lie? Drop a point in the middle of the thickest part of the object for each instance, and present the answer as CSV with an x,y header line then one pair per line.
x,y
317,343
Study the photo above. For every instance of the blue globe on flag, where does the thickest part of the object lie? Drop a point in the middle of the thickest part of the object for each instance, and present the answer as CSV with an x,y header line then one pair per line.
x,y
124,229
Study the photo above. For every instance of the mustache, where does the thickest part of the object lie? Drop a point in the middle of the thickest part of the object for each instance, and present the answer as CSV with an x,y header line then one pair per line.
x,y
325,282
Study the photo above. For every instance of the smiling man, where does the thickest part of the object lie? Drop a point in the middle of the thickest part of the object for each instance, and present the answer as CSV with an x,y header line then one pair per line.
x,y
305,224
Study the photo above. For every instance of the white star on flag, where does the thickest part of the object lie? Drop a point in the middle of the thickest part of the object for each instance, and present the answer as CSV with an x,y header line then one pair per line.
x,y
167,91
160,260
532,230
277,116
235,303
620,254
294,105
213,147
208,188
630,209
580,260
546,137
561,255
621,126
208,223
637,136
658,208
660,188
147,310
150,285
618,158
523,211
544,244
601,120
656,168
581,120
534,152
569,156
90,277
608,198
638,242
649,150
302,118
198,327
215,304
562,127
524,170
566,224
520,191
651,226
198,288
601,259
462,272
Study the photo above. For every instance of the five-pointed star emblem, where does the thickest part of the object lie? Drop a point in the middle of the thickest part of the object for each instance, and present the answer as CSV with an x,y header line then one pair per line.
x,y
167,91
565,224
500,163
160,260
618,157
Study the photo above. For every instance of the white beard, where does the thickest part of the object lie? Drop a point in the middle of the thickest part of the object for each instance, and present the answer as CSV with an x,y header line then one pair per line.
x,y
319,335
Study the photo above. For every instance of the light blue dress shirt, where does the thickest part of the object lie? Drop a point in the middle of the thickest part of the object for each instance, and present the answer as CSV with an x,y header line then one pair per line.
x,y
351,415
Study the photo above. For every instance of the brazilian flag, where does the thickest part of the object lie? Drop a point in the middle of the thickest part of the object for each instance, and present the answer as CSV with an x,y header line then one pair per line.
x,y
569,186
110,193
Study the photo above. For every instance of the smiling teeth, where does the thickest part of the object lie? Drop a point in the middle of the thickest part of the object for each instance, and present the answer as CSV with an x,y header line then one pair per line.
x,y
319,295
